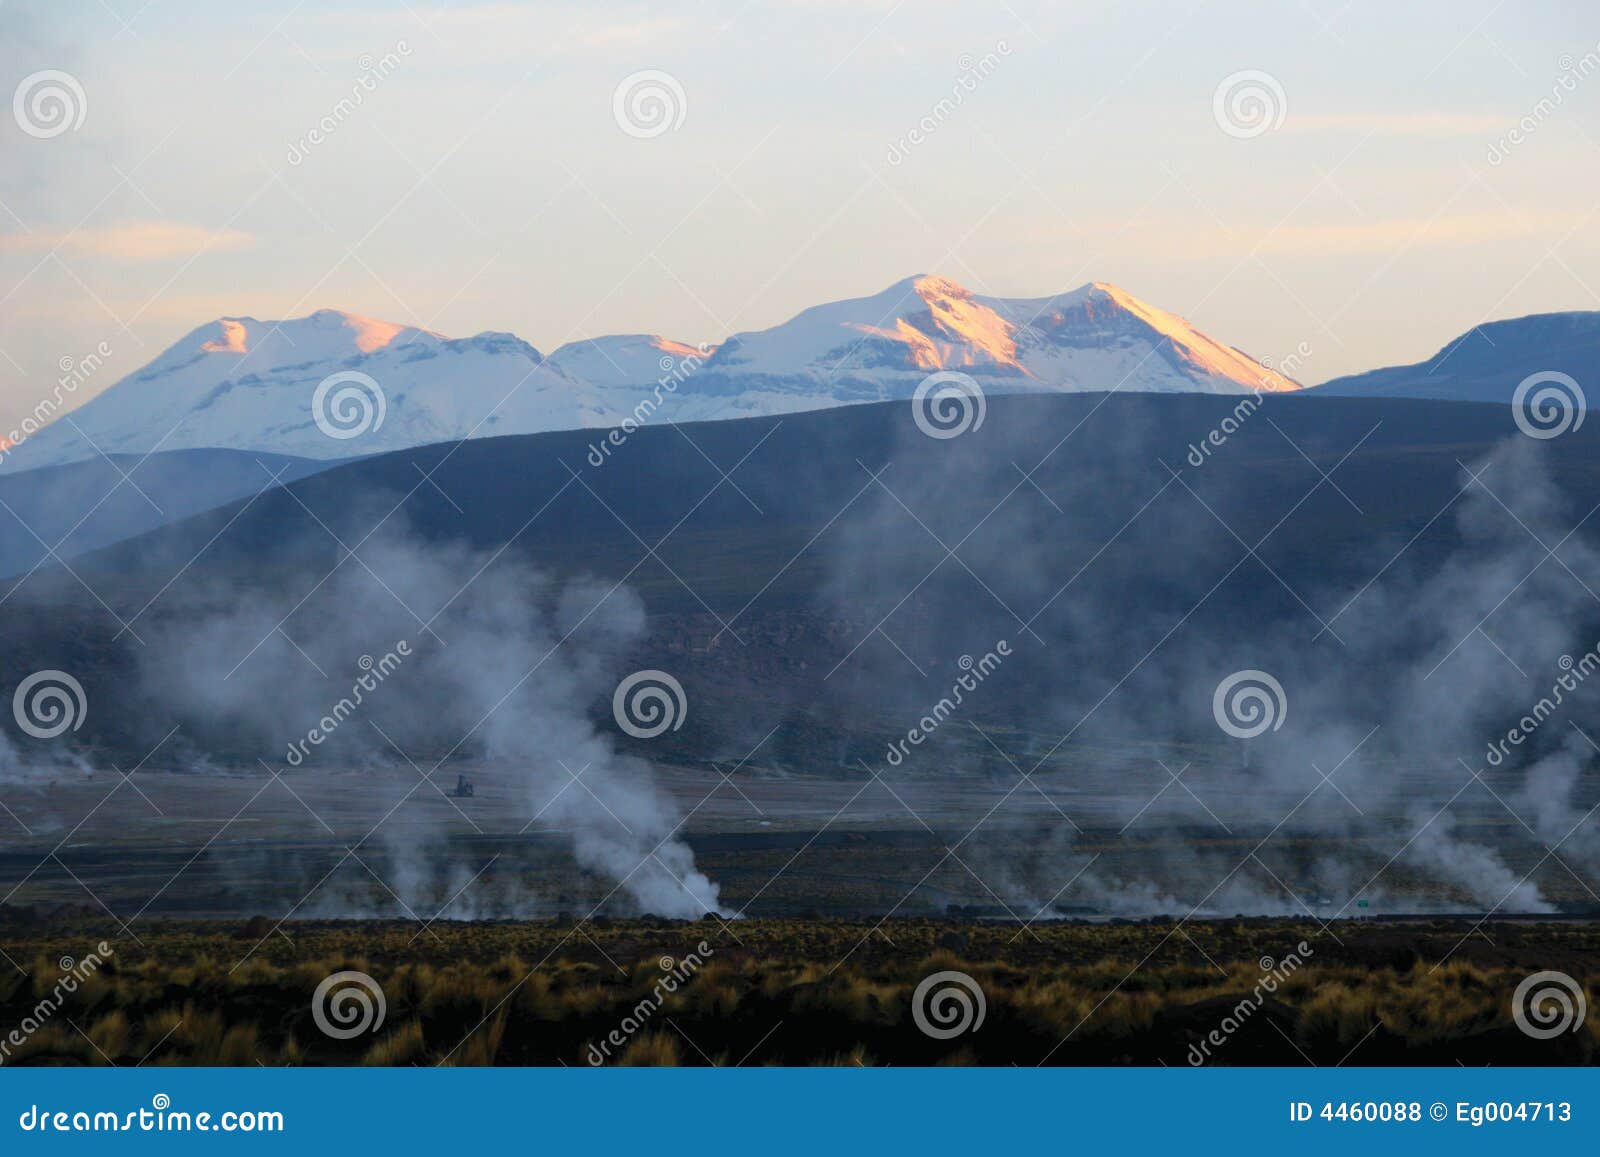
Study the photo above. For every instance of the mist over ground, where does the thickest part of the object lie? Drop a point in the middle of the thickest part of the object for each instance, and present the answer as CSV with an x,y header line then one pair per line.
x,y
1082,586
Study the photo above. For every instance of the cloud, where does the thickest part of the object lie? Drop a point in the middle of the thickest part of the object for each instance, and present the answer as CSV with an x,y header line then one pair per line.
x,y
128,241
1394,233
1178,239
1401,124
499,27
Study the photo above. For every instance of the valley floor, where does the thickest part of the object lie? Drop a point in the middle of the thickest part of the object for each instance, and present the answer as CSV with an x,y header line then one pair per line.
x,y
390,843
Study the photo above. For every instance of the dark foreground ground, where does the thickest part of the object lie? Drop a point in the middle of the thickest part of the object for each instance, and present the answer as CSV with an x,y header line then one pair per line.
x,y
792,992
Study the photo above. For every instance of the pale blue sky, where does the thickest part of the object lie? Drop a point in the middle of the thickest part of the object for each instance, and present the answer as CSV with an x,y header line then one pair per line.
x,y
485,184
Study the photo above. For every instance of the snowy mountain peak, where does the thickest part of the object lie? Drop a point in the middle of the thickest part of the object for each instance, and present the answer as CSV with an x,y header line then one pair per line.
x,y
240,346
957,329
245,384
627,360
1096,337
1193,348
232,338
241,383
366,333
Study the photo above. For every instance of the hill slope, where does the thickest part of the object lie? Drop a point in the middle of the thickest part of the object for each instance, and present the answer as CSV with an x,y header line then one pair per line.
x,y
1486,363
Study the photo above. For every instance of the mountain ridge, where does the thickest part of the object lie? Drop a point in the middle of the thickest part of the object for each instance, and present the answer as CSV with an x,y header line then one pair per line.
x,y
1487,362
334,384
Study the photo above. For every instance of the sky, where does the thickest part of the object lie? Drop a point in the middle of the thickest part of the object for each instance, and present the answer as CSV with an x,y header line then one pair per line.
x,y
1409,170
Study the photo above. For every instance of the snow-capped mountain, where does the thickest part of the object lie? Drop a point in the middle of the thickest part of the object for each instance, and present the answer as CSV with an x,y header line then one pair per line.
x,y
1487,363
239,383
625,360
876,348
